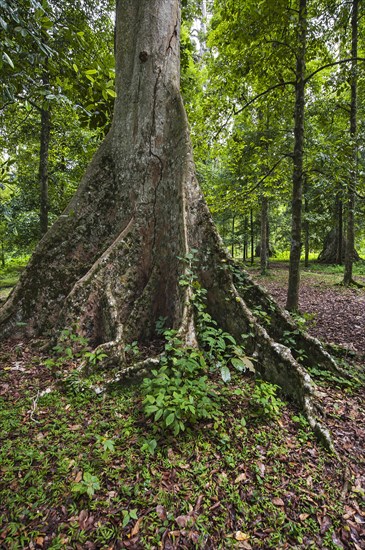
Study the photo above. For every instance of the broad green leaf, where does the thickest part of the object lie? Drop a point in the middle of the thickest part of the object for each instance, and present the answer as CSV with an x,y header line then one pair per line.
x,y
225,373
8,60
169,420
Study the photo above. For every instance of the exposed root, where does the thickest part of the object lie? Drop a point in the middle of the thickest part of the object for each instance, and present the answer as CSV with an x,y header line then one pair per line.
x,y
280,322
273,361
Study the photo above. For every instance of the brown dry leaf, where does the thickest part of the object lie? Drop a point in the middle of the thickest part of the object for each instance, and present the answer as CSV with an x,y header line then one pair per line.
x,y
277,501
82,519
198,504
78,477
75,427
39,541
303,517
241,536
261,468
194,536
183,521
161,512
241,477
325,523
136,527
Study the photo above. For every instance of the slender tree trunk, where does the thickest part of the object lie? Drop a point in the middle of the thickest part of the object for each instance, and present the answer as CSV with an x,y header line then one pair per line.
x,y
2,254
351,190
43,169
306,225
245,239
203,28
252,237
339,223
264,235
296,231
233,236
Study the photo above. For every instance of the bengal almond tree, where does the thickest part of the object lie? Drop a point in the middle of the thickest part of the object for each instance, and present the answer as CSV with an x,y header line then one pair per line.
x,y
111,261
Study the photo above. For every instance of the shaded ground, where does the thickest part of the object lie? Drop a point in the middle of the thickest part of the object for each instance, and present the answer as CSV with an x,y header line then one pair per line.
x,y
338,312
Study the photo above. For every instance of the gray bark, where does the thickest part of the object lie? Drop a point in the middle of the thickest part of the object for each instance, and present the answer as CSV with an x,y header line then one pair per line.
x,y
351,188
264,244
43,169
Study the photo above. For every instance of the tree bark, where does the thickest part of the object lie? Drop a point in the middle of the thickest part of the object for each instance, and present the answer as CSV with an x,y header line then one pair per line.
x,y
233,236
351,188
339,220
306,224
43,169
296,230
110,263
264,245
252,237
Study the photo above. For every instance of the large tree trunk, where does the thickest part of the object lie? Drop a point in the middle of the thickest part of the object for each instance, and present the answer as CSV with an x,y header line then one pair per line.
x,y
296,229
110,263
331,246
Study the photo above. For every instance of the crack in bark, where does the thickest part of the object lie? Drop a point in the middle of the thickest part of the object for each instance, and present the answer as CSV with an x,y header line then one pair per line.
x,y
154,155
174,35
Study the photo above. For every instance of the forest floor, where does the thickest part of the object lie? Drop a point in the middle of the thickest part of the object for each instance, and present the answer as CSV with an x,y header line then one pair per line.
x,y
87,471
335,314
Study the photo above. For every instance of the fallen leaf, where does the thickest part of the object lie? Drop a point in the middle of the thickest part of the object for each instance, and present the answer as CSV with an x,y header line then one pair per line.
x,y
161,512
183,521
325,523
194,536
198,503
174,533
82,519
278,501
136,527
78,477
303,517
39,541
241,536
241,477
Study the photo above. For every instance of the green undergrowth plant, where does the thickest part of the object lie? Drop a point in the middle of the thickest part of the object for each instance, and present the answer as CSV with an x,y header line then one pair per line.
x,y
73,349
88,485
179,392
265,401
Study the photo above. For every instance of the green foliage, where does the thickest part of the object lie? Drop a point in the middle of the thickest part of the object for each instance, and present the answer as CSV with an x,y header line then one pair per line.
x,y
127,516
149,446
179,392
88,485
265,400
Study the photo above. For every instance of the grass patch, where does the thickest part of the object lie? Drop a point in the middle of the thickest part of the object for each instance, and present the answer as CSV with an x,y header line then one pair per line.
x,y
10,274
